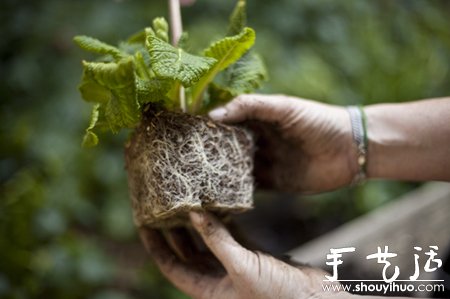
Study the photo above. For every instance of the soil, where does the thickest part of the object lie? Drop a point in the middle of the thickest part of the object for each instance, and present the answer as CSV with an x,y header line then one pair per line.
x,y
178,162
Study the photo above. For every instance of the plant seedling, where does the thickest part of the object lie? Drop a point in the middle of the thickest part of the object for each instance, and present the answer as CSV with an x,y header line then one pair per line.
x,y
176,160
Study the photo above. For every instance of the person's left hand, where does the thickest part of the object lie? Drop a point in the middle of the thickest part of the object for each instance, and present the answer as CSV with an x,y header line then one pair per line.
x,y
247,274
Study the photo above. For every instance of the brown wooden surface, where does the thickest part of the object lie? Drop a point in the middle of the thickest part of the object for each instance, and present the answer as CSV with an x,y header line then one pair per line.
x,y
419,218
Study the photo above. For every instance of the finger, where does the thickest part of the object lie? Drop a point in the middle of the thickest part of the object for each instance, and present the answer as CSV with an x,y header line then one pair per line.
x,y
180,243
220,242
185,278
253,106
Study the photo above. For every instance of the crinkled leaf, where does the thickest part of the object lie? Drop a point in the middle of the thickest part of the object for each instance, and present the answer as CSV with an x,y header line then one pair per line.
x,y
246,75
91,91
229,49
120,113
161,28
94,45
238,18
142,64
226,51
160,24
217,95
171,63
153,90
111,75
121,110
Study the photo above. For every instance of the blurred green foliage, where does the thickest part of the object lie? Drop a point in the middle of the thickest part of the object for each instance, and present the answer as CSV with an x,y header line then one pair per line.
x,y
65,222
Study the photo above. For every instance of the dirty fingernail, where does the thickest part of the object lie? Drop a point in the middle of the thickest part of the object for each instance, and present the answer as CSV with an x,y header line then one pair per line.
x,y
218,114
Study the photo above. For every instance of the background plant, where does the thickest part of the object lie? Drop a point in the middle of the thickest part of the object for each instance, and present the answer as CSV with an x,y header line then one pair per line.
x,y
65,221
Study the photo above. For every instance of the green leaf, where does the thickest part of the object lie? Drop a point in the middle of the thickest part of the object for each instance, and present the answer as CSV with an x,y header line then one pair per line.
x,y
238,18
111,75
91,91
183,42
246,75
171,63
142,64
229,49
120,114
94,45
121,110
137,38
153,91
226,51
90,139
131,49
161,28
217,95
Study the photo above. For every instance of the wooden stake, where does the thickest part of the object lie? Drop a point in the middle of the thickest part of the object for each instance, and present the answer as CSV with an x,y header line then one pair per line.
x,y
176,27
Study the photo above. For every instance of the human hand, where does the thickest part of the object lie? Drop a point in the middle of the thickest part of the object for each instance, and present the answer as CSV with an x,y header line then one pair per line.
x,y
247,274
302,145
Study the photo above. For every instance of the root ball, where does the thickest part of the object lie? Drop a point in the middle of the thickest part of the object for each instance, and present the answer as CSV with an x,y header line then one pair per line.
x,y
179,162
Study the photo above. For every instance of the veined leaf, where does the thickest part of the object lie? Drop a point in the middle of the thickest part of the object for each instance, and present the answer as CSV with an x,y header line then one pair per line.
x,y
141,65
147,69
217,95
153,90
246,75
226,51
111,75
171,63
120,113
121,108
229,49
94,45
91,91
238,18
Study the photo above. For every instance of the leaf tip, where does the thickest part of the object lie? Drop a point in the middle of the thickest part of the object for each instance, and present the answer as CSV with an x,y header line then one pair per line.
x,y
90,140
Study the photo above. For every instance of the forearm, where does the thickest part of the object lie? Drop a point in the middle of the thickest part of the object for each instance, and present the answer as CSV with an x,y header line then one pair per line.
x,y
409,141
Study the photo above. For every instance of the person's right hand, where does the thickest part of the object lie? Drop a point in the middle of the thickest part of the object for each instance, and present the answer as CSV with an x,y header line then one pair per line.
x,y
302,145
238,272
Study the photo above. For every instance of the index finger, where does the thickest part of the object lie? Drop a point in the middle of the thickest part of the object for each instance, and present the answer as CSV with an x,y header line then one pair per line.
x,y
268,108
188,280
235,258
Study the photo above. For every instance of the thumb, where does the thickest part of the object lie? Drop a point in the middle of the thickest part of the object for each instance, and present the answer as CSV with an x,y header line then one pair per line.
x,y
252,107
220,242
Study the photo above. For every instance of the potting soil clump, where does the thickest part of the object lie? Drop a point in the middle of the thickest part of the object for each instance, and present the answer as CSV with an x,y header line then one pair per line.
x,y
179,162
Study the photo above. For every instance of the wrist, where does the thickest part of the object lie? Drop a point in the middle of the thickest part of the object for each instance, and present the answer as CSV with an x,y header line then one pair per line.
x,y
386,141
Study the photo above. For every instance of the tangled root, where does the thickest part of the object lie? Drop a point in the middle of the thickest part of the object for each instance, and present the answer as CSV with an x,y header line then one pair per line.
x,y
179,162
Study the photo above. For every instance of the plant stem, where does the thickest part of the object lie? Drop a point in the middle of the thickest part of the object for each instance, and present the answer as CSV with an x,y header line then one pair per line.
x,y
176,28
175,21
